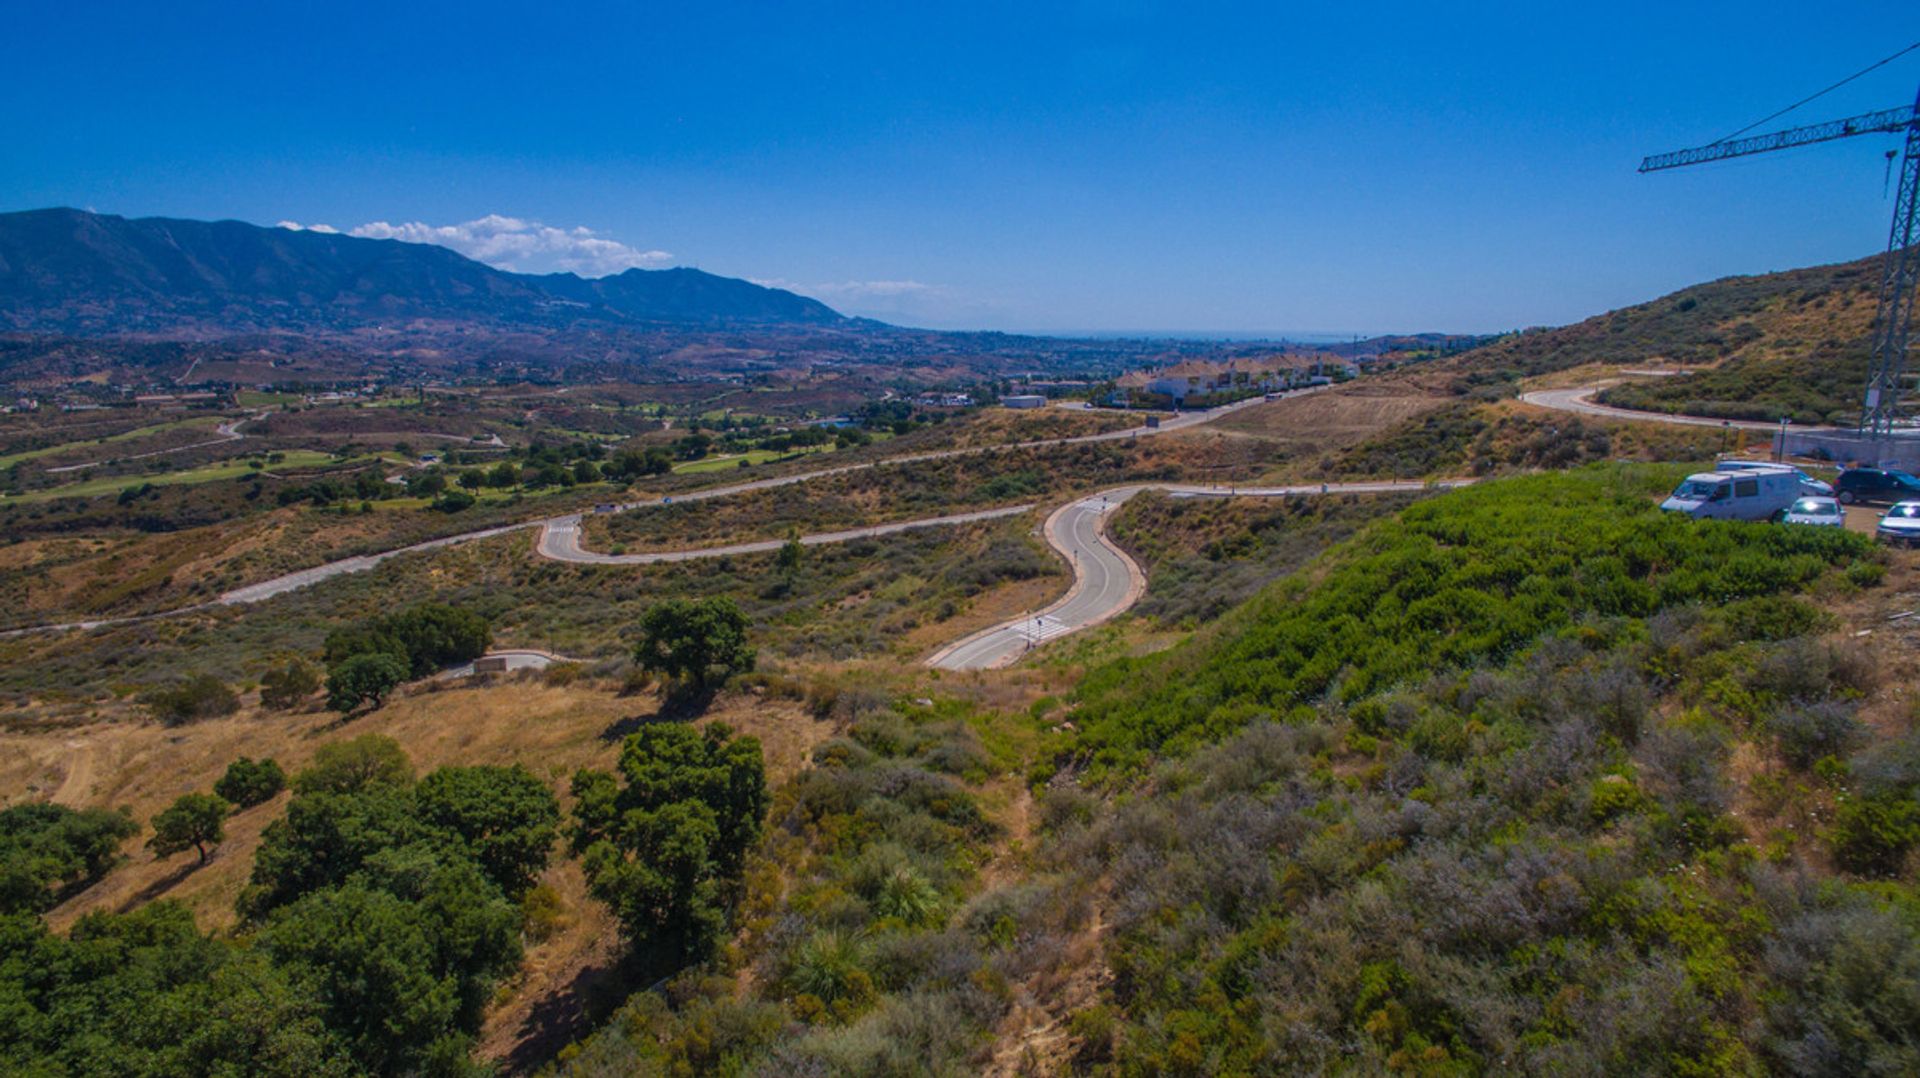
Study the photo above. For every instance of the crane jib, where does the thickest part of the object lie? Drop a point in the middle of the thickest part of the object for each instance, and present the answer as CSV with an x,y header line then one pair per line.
x,y
1880,413
1886,120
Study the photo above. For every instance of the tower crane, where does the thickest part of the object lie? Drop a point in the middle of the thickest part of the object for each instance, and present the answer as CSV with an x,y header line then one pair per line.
x,y
1899,274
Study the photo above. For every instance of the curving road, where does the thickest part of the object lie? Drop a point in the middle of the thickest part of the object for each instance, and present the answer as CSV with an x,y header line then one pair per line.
x,y
559,527
228,431
1106,582
1580,400
560,539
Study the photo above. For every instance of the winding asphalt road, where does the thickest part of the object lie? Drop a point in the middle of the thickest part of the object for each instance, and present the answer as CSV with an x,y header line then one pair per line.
x,y
560,539
1580,399
1106,582
228,431
559,535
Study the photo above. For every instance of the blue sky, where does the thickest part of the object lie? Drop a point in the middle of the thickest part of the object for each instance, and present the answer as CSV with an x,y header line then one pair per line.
x,y
1117,166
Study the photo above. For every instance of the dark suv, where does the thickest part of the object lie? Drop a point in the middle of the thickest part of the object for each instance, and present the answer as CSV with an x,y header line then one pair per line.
x,y
1875,485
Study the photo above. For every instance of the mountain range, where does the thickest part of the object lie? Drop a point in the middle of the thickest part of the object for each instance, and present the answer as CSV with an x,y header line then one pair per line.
x,y
68,271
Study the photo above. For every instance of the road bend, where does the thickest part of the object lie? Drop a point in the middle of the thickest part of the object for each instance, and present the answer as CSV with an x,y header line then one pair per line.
x,y
560,539
1580,400
1106,582
559,527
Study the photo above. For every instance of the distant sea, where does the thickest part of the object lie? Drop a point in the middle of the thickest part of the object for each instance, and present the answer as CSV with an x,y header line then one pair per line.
x,y
1294,336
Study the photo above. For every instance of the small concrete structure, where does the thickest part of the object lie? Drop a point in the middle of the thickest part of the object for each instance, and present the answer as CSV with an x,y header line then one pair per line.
x,y
1023,400
1900,449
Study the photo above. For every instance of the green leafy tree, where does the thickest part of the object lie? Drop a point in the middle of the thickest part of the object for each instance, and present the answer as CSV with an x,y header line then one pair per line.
x,y
356,764
365,638
703,641
503,475
146,993
473,479
363,679
503,816
663,841
401,977
284,687
193,821
424,638
325,838
248,782
47,848
434,635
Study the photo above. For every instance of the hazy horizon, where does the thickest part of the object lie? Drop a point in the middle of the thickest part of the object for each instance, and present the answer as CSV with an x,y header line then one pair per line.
x,y
1015,169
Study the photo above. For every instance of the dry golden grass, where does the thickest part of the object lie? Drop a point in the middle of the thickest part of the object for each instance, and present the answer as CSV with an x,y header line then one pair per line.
x,y
1338,417
552,730
144,766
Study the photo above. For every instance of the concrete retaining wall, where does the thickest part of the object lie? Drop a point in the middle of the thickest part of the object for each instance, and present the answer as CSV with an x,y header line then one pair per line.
x,y
1852,447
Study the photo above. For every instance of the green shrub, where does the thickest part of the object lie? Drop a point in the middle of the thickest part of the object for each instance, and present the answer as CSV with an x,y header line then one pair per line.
x,y
201,696
1805,733
247,783
1472,577
284,687
1871,835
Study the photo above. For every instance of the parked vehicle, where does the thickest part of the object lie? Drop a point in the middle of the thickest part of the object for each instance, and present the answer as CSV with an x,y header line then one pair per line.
x,y
1900,524
1808,484
1875,485
1735,495
1817,512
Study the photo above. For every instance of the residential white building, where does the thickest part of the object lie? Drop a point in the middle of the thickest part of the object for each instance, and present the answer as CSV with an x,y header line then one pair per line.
x,y
1198,378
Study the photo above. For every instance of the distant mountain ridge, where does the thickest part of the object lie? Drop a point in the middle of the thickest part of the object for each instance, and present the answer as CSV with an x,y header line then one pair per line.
x,y
74,272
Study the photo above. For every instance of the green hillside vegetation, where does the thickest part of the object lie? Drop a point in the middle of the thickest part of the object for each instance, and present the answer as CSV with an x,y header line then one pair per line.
x,y
1792,343
1478,439
1822,383
1458,799
1204,556
867,955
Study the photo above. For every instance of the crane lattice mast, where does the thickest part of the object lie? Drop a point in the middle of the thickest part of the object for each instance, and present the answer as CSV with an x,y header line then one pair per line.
x,y
1901,272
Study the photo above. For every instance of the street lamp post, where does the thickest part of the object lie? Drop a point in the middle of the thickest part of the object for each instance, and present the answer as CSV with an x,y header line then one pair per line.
x,y
1780,447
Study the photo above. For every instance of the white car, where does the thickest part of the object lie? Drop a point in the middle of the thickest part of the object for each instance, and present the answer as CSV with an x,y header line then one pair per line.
x,y
1900,524
1819,512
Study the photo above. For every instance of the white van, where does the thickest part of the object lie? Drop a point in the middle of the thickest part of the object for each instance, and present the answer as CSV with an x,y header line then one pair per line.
x,y
1759,495
1808,484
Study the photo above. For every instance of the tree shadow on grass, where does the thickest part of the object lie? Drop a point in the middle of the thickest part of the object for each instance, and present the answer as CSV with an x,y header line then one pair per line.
x,y
681,703
161,886
565,1016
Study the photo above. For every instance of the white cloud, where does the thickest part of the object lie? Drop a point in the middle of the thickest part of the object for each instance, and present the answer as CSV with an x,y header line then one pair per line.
x,y
516,244
298,227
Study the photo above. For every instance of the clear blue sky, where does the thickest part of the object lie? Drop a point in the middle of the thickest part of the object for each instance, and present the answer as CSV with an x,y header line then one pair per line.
x,y
1258,167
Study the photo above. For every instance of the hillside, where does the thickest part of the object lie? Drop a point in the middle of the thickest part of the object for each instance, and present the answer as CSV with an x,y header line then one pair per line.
x,y
69,271
1791,343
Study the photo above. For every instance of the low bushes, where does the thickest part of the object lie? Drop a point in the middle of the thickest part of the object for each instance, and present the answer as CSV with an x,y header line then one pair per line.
x,y
1473,577
200,696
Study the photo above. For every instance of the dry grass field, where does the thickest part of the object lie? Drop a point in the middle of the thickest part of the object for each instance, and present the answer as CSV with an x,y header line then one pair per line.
x,y
553,730
1338,417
